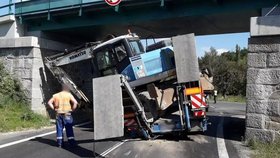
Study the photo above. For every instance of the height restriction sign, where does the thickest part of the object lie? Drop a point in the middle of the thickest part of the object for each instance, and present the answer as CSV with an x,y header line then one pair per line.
x,y
113,2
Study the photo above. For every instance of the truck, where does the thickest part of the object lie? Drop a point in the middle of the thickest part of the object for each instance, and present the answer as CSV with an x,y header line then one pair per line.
x,y
206,80
147,92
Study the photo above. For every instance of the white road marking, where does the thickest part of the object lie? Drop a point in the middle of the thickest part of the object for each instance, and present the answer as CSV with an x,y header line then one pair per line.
x,y
26,139
212,106
221,145
112,148
33,137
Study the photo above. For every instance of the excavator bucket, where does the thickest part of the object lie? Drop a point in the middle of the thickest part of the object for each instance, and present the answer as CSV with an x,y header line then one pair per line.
x,y
108,121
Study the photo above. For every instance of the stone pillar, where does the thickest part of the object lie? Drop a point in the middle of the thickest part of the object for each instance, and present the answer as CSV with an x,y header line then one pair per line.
x,y
23,57
263,80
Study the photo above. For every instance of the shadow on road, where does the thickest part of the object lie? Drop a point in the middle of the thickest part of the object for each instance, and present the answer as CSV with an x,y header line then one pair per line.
x,y
233,127
77,150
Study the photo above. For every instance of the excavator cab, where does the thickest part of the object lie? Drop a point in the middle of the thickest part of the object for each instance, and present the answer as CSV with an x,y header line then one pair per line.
x,y
112,57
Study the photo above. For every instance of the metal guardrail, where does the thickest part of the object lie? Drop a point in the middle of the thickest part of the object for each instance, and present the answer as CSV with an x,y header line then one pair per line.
x,y
7,9
27,7
38,6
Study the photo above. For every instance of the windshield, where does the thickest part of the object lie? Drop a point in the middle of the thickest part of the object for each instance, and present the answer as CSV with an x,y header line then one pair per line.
x,y
136,47
105,59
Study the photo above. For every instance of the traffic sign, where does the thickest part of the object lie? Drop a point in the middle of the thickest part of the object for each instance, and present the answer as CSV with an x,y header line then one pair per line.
x,y
113,2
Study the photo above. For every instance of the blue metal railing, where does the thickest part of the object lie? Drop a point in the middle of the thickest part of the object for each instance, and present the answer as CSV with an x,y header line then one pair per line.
x,y
7,9
35,6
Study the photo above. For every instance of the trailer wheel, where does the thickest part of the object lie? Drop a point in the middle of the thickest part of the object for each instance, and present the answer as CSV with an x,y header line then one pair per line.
x,y
149,104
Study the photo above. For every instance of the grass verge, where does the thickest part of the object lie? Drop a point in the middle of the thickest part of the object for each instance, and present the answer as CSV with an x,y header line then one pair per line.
x,y
15,116
231,98
265,150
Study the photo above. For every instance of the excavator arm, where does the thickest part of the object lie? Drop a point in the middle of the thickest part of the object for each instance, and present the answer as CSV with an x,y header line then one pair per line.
x,y
81,53
53,63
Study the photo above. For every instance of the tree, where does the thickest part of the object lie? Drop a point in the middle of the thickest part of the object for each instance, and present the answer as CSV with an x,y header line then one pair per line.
x,y
228,69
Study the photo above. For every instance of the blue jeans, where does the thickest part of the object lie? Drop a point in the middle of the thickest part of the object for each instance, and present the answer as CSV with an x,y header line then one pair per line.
x,y
66,121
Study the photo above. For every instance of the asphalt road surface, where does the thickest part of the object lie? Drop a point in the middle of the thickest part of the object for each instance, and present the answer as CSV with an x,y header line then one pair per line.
x,y
227,126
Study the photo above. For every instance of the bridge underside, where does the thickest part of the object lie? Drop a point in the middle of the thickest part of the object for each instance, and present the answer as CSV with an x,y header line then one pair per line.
x,y
147,19
201,25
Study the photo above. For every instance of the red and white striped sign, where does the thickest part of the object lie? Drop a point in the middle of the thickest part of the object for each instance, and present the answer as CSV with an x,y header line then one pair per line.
x,y
198,101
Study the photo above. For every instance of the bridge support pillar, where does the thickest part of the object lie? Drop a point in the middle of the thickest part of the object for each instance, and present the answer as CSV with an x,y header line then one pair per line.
x,y
263,80
23,58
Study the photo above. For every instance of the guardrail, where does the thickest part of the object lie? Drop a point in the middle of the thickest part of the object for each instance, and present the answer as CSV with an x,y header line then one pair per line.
x,y
38,6
7,9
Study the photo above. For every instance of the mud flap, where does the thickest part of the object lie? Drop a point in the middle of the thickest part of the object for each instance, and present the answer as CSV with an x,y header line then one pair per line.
x,y
108,121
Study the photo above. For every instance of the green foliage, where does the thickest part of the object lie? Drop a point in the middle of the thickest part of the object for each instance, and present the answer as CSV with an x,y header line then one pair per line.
x,y
15,114
231,98
252,143
10,86
229,70
265,150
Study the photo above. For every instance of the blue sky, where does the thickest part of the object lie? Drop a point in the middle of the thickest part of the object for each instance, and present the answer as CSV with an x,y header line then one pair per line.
x,y
5,10
222,42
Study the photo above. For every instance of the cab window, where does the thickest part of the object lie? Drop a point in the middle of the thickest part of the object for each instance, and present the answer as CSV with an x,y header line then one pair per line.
x,y
106,62
120,51
136,47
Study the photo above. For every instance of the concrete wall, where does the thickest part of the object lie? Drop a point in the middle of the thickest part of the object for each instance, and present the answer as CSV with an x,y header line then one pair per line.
x,y
23,57
10,28
263,80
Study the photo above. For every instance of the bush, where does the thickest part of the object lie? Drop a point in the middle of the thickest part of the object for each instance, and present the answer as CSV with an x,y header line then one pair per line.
x,y
10,86
15,114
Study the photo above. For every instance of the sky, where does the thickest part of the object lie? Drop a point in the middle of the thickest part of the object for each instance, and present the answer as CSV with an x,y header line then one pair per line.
x,y
222,43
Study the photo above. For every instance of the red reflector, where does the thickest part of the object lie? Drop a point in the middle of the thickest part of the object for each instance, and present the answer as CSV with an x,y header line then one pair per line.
x,y
199,113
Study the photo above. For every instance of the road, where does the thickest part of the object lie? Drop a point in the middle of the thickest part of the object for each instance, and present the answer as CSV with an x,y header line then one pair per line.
x,y
227,126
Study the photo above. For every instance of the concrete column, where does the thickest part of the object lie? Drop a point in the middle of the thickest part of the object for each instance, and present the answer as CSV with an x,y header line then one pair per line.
x,y
263,80
10,27
23,57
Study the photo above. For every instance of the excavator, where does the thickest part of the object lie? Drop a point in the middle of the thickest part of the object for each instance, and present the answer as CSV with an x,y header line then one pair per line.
x,y
151,91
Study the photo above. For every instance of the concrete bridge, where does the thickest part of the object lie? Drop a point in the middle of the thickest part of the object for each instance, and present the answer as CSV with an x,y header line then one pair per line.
x,y
40,28
92,19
